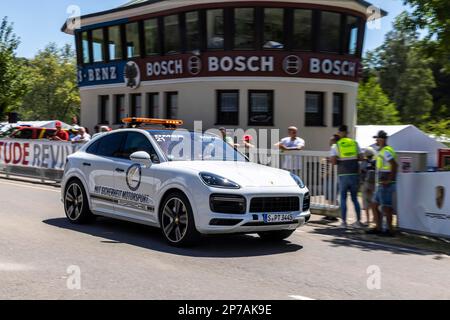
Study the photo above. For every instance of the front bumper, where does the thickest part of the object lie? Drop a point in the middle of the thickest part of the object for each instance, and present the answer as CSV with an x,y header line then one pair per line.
x,y
209,222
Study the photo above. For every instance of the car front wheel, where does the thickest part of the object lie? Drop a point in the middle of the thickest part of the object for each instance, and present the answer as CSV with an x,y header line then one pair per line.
x,y
76,204
276,235
177,221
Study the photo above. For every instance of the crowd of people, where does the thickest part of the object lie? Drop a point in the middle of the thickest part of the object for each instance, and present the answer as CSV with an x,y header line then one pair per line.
x,y
77,134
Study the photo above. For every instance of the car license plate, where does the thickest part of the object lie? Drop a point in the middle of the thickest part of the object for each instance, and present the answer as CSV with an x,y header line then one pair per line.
x,y
274,218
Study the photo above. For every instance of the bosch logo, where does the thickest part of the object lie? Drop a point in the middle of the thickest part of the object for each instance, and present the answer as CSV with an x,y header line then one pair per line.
x,y
292,65
194,65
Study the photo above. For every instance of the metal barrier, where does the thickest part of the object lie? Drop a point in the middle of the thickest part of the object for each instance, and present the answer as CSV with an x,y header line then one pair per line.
x,y
37,159
314,167
45,160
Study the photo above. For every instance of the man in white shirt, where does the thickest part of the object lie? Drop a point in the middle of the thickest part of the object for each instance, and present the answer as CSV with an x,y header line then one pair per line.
x,y
82,136
291,143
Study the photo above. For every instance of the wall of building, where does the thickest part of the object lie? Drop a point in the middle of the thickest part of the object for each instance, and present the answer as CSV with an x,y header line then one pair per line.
x,y
197,101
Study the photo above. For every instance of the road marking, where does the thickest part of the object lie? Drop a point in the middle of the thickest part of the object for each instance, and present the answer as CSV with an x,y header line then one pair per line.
x,y
28,186
302,298
10,267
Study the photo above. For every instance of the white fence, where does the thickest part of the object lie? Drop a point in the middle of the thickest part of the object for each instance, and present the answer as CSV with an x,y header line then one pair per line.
x,y
315,169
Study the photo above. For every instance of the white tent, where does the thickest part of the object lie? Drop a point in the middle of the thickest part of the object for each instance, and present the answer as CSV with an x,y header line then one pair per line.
x,y
402,138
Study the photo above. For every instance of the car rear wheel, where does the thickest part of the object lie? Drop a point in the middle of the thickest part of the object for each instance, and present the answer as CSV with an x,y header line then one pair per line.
x,y
76,204
177,221
276,235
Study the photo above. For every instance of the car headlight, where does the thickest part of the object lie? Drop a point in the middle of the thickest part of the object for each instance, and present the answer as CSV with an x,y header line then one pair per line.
x,y
216,181
298,180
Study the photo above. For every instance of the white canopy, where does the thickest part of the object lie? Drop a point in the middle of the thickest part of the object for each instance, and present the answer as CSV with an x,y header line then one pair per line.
x,y
402,138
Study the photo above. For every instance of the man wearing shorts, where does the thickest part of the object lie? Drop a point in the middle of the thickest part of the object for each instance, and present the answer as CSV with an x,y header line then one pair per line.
x,y
386,185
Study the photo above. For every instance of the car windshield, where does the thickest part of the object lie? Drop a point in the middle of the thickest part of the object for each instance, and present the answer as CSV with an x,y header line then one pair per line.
x,y
182,145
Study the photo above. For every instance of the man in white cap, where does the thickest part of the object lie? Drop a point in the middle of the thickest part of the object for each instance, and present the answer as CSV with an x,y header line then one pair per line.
x,y
292,142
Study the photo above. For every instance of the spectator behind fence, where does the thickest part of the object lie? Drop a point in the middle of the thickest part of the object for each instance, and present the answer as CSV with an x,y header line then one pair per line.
x,y
226,137
82,136
291,143
368,168
60,134
102,130
346,154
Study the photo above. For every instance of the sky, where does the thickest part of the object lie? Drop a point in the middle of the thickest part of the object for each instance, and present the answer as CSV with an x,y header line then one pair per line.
x,y
38,23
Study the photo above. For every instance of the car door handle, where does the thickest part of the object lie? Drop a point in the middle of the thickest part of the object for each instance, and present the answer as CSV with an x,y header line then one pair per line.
x,y
120,170
87,164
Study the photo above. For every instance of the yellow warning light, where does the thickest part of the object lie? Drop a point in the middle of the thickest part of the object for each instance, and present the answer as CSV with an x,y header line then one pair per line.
x,y
149,121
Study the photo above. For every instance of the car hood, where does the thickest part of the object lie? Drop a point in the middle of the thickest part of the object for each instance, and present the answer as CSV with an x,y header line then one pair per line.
x,y
246,174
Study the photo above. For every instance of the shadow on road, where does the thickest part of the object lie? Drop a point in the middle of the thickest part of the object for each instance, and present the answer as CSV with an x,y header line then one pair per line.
x,y
232,246
358,239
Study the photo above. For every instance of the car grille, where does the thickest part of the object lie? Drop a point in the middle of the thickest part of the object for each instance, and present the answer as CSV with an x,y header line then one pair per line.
x,y
275,204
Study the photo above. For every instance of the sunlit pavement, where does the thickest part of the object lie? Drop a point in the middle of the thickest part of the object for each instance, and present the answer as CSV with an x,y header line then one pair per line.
x,y
42,256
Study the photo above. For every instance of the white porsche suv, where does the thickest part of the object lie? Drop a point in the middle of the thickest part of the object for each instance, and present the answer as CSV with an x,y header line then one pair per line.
x,y
188,184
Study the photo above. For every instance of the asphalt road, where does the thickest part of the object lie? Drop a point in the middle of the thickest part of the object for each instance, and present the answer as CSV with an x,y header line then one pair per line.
x,y
119,260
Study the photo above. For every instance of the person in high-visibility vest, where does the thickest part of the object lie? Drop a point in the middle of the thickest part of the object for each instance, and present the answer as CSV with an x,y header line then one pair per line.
x,y
387,166
346,154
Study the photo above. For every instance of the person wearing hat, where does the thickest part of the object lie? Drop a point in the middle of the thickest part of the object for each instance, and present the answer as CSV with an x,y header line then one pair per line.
x,y
292,142
368,168
346,154
60,134
387,166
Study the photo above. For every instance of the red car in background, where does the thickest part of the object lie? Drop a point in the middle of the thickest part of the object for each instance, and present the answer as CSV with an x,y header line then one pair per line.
x,y
32,133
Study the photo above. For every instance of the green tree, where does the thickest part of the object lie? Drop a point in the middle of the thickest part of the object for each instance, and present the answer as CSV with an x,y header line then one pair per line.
x,y
374,106
434,17
13,80
53,93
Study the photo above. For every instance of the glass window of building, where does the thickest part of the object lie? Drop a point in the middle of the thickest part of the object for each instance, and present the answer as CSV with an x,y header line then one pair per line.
x,y
114,43
314,109
151,37
153,105
192,31
338,109
228,107
261,107
172,39
302,33
172,105
136,105
273,28
120,108
103,109
85,46
133,43
215,29
352,33
244,28
330,32
97,45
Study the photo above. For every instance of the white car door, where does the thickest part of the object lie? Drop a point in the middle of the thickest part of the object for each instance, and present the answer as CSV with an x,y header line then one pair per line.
x,y
136,183
99,168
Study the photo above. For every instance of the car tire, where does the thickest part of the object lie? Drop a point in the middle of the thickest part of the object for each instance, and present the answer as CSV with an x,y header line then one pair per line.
x,y
76,205
276,235
177,221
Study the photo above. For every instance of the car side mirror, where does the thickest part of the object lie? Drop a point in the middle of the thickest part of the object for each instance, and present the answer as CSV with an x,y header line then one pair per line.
x,y
142,158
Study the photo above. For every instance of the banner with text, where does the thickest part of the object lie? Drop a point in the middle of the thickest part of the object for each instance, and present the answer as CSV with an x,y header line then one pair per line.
x,y
36,153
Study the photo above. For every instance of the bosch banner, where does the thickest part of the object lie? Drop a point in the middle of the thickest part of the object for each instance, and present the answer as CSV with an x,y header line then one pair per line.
x,y
35,153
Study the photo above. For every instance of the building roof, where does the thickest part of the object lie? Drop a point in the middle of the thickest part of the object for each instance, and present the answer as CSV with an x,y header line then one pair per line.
x,y
138,3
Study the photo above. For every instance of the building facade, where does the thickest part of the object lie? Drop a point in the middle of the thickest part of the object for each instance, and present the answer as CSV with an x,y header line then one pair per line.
x,y
234,64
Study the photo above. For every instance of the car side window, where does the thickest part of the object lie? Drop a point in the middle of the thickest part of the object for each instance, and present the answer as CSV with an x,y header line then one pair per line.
x,y
24,134
136,142
110,145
